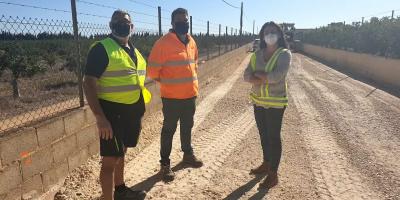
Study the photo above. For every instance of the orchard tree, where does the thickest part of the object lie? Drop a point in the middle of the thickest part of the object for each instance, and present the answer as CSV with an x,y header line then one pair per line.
x,y
21,62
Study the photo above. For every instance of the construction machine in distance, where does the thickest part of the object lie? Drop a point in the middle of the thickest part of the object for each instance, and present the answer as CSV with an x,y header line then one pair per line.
x,y
289,30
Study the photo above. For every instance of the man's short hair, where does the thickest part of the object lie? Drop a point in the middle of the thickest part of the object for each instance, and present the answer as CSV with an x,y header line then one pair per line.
x,y
119,13
177,12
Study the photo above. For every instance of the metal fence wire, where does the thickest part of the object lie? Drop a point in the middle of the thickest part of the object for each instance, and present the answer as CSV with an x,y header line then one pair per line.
x,y
39,77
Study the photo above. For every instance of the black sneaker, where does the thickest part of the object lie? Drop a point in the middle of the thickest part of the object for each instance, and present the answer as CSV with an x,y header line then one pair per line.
x,y
129,194
166,173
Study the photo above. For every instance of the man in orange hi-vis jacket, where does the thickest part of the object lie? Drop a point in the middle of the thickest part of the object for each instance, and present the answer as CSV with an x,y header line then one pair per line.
x,y
173,64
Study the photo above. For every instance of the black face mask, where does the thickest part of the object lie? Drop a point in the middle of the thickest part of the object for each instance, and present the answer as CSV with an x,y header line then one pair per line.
x,y
122,29
181,28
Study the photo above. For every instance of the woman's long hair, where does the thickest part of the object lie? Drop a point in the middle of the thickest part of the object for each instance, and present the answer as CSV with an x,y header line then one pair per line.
x,y
281,41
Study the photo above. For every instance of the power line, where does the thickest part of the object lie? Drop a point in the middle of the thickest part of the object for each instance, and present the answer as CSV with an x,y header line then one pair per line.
x,y
107,17
200,20
36,7
197,25
51,9
115,8
141,3
230,4
94,15
245,16
170,11
142,22
212,24
67,11
166,19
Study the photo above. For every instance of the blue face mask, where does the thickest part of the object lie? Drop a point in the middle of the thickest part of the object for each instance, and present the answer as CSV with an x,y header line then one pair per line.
x,y
181,28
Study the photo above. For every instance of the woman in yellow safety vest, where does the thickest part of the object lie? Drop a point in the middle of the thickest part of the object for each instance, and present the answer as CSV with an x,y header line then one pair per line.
x,y
267,72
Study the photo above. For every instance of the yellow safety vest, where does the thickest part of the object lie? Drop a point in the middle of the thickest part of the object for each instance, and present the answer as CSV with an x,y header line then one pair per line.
x,y
123,80
265,98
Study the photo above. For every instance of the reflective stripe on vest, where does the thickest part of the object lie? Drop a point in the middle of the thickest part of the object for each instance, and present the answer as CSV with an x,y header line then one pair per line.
x,y
265,98
118,73
154,64
178,63
123,80
120,88
274,101
177,80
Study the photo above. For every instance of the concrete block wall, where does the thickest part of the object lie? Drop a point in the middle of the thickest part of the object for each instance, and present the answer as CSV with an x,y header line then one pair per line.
x,y
35,159
384,71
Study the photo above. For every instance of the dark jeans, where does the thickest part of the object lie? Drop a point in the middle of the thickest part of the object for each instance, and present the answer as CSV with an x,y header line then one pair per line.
x,y
269,123
174,110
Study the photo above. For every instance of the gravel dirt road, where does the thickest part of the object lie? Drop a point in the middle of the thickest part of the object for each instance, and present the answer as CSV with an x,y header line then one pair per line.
x,y
341,140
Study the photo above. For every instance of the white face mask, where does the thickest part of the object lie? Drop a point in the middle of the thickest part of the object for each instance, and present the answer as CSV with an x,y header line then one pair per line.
x,y
271,39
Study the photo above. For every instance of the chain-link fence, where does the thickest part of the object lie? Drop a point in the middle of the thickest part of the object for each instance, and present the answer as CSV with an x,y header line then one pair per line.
x,y
38,62
37,78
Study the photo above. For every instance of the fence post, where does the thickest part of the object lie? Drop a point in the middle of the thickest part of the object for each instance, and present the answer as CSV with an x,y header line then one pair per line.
x,y
226,39
232,37
78,52
208,28
159,21
191,29
208,36
392,14
236,38
219,43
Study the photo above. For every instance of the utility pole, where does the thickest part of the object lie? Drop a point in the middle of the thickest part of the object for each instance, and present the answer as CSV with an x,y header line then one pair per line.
x,y
159,21
241,18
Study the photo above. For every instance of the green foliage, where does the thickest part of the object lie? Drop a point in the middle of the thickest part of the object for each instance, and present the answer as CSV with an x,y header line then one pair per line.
x,y
22,62
377,36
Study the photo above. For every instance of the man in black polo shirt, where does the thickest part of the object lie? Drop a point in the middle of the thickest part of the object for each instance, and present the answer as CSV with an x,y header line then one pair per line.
x,y
112,91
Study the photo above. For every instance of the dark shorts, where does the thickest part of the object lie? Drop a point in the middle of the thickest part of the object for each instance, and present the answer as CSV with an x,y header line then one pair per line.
x,y
125,120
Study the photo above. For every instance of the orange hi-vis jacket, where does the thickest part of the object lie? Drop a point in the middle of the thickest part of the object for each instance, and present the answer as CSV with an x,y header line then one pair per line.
x,y
174,66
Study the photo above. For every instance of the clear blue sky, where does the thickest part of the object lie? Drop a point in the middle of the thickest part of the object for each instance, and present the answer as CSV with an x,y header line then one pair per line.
x,y
304,13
